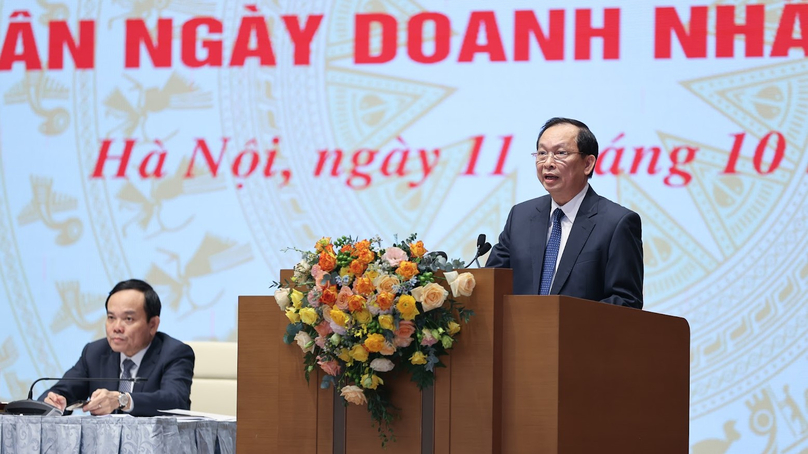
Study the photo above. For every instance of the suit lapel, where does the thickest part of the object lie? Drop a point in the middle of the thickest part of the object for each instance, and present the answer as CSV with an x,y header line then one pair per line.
x,y
149,362
111,369
538,239
585,221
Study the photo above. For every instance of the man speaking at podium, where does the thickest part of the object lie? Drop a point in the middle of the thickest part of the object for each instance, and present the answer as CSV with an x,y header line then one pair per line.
x,y
571,242
133,348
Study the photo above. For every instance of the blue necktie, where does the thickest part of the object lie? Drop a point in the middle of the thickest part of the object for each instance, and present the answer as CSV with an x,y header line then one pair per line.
x,y
551,253
126,386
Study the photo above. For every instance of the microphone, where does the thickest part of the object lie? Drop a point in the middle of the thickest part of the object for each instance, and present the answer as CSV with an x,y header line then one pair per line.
x,y
482,247
30,406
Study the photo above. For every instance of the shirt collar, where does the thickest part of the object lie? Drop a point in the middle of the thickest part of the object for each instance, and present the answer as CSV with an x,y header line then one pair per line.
x,y
570,208
136,358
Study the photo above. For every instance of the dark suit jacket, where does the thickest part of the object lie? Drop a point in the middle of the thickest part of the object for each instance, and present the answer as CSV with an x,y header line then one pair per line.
x,y
168,365
602,259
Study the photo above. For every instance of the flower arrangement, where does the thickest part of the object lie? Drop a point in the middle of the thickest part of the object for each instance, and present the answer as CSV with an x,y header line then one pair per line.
x,y
358,311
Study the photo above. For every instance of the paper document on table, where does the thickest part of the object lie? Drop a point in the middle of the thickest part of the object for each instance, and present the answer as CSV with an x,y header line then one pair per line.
x,y
197,415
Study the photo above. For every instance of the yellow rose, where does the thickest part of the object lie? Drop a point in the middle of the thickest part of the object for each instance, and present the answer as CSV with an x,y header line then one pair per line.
x,y
406,307
363,317
292,315
371,381
386,282
308,315
339,317
344,355
431,296
386,322
453,328
418,358
359,353
374,343
297,298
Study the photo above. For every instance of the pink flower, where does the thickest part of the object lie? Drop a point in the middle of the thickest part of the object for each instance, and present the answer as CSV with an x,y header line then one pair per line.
x,y
406,328
428,339
330,367
342,298
402,342
394,256
314,297
320,341
317,273
323,329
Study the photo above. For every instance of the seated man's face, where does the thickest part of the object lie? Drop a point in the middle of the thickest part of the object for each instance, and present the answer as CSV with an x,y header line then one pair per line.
x,y
128,331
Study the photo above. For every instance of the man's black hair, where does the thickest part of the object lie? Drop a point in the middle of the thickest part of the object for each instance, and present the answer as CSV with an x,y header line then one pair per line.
x,y
152,305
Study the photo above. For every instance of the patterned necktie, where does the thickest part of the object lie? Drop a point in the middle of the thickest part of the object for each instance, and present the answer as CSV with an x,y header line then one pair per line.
x,y
126,386
551,253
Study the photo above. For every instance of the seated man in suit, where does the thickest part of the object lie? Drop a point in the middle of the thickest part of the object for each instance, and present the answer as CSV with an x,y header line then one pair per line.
x,y
133,348
571,242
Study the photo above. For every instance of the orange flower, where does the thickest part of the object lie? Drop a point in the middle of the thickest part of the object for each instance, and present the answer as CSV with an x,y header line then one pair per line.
x,y
362,245
417,249
374,343
366,256
327,261
357,267
363,286
356,303
347,249
385,300
406,269
329,295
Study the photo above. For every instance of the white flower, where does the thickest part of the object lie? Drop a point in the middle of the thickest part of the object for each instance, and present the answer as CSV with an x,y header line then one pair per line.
x,y
462,285
304,341
302,270
381,365
282,298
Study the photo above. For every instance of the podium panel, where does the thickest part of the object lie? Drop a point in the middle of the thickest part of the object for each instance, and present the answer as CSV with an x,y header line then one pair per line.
x,y
582,377
537,374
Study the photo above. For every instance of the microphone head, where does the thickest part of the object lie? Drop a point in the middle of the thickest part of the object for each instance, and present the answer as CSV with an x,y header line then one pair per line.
x,y
480,240
485,248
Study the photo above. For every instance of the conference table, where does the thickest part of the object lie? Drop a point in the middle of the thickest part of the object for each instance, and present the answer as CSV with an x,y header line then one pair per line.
x,y
115,434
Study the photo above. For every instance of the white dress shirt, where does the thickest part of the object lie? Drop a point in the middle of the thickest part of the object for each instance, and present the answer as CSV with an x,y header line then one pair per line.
x,y
570,210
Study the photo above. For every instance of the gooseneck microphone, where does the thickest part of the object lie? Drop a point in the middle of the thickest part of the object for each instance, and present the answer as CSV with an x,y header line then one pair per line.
x,y
482,247
30,406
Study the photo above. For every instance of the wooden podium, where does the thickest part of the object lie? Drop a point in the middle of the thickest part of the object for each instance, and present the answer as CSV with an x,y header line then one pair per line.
x,y
538,374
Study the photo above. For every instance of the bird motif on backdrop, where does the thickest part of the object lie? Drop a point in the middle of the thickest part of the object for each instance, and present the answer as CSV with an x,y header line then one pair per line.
x,y
213,255
149,207
45,203
77,309
178,93
35,89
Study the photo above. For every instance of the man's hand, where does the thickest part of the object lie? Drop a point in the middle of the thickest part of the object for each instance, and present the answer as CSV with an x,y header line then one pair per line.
x,y
56,400
102,402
